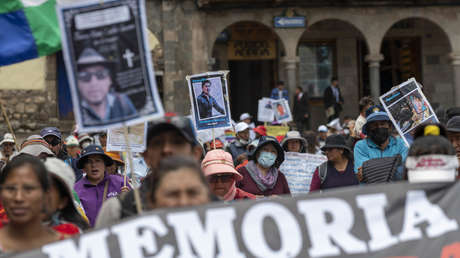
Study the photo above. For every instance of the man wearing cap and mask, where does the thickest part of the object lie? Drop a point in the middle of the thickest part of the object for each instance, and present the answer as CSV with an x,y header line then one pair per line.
x,y
247,118
322,135
238,146
170,136
379,142
99,102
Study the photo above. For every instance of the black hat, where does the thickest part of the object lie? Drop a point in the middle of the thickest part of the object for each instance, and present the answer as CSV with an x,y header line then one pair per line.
x,y
453,125
89,57
451,112
93,150
335,141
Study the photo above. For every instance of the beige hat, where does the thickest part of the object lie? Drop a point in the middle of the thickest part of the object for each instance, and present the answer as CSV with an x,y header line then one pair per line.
x,y
36,145
293,135
7,138
71,141
62,172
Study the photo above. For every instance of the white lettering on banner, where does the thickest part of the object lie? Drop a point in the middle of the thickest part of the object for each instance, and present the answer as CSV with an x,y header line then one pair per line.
x,y
219,228
417,210
92,244
132,243
253,232
329,223
321,231
373,206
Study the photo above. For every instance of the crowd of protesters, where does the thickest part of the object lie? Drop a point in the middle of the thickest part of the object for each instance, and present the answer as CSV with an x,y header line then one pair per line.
x,y
53,187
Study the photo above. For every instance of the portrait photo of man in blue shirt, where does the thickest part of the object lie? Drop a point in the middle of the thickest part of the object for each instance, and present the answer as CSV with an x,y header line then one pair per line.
x,y
206,102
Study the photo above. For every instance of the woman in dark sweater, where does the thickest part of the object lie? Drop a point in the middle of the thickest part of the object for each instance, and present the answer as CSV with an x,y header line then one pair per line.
x,y
261,175
338,170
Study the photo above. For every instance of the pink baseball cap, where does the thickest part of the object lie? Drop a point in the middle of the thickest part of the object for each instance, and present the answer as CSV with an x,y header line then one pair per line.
x,y
218,162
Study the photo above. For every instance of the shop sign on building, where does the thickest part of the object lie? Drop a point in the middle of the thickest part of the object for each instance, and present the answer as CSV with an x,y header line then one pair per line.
x,y
251,49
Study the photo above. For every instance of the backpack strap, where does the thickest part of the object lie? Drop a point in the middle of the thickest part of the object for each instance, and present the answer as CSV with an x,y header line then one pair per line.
x,y
322,171
106,187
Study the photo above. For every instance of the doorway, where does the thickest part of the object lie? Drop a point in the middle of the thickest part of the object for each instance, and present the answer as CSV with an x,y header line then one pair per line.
x,y
402,62
249,81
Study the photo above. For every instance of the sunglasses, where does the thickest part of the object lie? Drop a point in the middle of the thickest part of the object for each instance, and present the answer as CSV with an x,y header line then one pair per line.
x,y
53,142
86,76
225,178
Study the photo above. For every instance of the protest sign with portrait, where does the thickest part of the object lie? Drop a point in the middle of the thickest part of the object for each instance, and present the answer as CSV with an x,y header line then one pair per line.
x,y
108,63
265,111
116,140
408,108
209,100
282,111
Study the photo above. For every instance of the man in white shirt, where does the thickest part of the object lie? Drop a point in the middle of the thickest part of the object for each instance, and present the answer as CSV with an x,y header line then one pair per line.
x,y
364,104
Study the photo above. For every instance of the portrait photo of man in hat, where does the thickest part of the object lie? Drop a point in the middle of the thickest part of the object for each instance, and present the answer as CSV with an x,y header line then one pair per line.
x,y
99,102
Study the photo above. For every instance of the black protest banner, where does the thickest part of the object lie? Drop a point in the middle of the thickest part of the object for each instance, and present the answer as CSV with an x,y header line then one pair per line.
x,y
401,219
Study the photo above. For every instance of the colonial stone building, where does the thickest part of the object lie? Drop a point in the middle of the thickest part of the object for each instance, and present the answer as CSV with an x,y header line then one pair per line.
x,y
370,45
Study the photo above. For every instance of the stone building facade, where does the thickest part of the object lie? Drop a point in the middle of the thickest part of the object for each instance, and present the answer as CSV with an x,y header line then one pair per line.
x,y
369,45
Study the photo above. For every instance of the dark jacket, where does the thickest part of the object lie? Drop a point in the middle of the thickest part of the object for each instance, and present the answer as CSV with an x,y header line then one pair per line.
x,y
301,107
334,178
205,105
330,100
236,149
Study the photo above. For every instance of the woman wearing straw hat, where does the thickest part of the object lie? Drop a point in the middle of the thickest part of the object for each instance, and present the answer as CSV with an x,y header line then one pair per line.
x,y
294,142
338,170
218,168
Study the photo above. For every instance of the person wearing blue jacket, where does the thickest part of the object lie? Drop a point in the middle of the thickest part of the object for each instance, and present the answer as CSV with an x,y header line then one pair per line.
x,y
379,142
280,92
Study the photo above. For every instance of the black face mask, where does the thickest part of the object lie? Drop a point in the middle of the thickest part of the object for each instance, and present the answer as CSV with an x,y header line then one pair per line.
x,y
379,135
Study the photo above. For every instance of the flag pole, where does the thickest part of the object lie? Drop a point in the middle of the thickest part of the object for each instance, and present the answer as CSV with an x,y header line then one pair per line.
x,y
9,125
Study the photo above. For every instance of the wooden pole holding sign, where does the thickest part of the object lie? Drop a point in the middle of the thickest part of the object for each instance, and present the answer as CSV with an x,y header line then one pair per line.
x,y
137,197
5,116
213,138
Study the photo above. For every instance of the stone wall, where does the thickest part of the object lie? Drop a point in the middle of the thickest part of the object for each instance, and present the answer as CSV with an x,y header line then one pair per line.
x,y
31,110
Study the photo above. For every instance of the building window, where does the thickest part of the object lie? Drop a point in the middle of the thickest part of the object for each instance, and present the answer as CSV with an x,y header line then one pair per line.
x,y
317,66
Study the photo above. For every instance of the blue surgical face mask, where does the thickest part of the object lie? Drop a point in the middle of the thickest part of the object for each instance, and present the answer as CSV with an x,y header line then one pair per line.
x,y
266,159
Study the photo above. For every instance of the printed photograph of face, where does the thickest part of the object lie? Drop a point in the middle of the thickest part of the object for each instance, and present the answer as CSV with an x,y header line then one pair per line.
x,y
281,111
209,98
99,101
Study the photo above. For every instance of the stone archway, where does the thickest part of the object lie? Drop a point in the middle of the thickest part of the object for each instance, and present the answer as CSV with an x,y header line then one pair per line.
x,y
251,51
420,48
332,48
